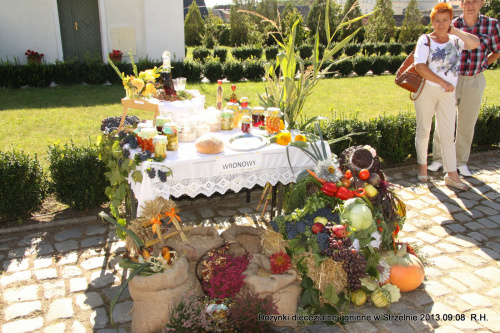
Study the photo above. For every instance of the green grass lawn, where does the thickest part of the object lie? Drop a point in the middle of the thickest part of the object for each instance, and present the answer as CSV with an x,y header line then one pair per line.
x,y
35,118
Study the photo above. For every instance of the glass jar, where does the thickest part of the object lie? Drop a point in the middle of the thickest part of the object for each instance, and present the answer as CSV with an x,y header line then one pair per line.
x,y
147,135
227,120
170,130
214,119
160,120
235,107
160,144
258,116
202,127
244,109
187,130
273,117
137,131
245,124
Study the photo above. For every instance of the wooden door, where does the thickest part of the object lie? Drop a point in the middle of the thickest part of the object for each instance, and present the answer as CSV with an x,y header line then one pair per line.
x,y
80,29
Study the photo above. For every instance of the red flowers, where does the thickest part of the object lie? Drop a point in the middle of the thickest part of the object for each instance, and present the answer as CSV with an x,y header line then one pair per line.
x,y
280,262
33,55
115,54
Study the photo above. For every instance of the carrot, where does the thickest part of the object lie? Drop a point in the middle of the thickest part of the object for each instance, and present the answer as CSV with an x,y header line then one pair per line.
x,y
312,173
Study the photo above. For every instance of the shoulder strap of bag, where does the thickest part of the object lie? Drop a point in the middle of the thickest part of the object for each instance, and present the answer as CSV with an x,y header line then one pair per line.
x,y
427,63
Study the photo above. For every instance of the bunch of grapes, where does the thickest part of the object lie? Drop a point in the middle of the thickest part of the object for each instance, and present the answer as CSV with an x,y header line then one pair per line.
x,y
291,230
144,155
151,173
131,140
352,261
274,225
323,239
126,153
162,175
111,124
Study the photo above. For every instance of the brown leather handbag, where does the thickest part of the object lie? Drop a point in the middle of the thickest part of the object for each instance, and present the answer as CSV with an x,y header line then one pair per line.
x,y
407,76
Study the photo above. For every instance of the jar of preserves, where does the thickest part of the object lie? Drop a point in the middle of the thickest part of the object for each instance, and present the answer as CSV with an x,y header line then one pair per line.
x,y
227,120
214,119
244,109
147,135
273,117
160,120
187,130
202,127
258,116
140,127
235,107
245,124
170,130
160,144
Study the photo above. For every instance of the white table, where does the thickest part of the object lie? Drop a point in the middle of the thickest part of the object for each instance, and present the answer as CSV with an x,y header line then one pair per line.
x,y
195,173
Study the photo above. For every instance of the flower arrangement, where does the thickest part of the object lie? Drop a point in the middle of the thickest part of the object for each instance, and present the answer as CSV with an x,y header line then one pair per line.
x,y
116,54
34,56
139,85
280,262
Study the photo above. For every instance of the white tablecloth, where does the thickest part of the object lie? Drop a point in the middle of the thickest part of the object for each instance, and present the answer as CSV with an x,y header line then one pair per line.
x,y
195,173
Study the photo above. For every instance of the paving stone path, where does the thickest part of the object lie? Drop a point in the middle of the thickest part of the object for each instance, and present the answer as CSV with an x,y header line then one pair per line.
x,y
61,279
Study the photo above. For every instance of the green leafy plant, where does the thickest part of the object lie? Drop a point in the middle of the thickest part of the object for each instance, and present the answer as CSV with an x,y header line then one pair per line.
x,y
77,175
23,185
201,53
233,71
221,53
213,70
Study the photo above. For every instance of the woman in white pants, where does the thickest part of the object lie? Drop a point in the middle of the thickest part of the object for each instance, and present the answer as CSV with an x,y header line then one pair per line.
x,y
438,64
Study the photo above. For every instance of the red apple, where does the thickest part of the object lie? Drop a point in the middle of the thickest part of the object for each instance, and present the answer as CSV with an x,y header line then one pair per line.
x,y
339,230
317,227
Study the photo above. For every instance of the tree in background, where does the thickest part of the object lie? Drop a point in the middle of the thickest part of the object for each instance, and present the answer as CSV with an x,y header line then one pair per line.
x,y
288,20
491,8
412,26
268,8
351,11
194,26
381,24
210,38
238,31
316,17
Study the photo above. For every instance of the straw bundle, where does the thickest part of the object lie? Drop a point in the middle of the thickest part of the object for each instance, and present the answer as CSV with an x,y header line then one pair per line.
x,y
272,242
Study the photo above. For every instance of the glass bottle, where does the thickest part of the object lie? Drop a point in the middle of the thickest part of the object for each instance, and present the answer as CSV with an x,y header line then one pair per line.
x,y
219,95
233,98
160,144
258,116
244,109
245,124
273,117
166,76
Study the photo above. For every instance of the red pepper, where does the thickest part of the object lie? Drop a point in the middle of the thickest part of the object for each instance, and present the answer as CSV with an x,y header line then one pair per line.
x,y
329,189
344,193
360,192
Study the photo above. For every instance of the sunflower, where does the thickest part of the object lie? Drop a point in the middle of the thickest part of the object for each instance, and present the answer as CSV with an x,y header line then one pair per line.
x,y
280,262
329,170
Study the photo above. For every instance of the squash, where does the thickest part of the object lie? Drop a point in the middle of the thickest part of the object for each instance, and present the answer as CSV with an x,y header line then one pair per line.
x,y
407,271
381,297
358,297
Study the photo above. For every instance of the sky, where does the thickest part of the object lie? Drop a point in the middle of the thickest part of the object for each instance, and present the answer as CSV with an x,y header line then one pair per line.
x,y
212,3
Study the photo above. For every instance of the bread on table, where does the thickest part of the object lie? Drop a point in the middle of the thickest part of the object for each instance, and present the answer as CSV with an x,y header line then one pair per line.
x,y
210,143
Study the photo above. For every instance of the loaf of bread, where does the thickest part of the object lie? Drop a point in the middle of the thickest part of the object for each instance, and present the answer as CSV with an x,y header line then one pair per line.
x,y
210,143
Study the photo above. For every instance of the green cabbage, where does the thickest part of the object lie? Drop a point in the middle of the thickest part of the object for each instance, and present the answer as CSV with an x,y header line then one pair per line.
x,y
358,213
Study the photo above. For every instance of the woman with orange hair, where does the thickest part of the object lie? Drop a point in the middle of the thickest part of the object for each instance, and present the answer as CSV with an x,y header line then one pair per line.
x,y
438,64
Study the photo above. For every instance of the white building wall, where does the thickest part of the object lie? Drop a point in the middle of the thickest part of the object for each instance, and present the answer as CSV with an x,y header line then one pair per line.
x,y
367,6
27,25
157,25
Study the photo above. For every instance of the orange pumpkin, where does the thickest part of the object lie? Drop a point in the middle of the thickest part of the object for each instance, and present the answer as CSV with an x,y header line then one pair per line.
x,y
407,271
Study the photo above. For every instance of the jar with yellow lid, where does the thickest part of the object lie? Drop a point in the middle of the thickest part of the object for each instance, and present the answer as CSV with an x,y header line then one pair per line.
x,y
235,107
273,117
246,122
258,116
147,135
160,144
227,120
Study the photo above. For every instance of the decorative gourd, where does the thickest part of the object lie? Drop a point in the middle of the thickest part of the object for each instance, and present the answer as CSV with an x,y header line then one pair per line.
x,y
407,271
381,297
358,297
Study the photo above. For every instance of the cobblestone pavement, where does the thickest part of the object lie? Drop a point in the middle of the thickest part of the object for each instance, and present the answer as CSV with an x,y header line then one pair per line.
x,y
61,279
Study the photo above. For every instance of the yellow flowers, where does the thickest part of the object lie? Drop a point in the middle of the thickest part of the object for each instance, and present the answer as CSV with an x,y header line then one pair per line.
x,y
138,84
149,90
284,138
300,137
141,84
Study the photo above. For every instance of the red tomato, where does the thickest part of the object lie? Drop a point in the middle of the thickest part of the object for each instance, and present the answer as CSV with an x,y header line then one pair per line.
x,y
346,182
364,174
348,174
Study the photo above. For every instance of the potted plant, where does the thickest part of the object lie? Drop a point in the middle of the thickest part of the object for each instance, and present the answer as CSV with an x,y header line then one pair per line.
x,y
116,56
34,57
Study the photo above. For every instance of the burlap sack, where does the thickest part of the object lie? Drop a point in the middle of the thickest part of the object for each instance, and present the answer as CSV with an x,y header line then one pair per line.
x,y
155,295
201,239
284,287
248,236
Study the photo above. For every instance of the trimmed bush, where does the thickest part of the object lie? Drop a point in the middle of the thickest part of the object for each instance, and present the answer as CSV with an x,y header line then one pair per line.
x,y
246,52
213,70
362,65
368,49
271,52
224,34
233,71
23,185
305,51
221,53
192,71
94,72
351,49
77,176
200,53
395,48
254,70
40,75
380,49
487,130
344,67
380,64
408,48
12,75
395,63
